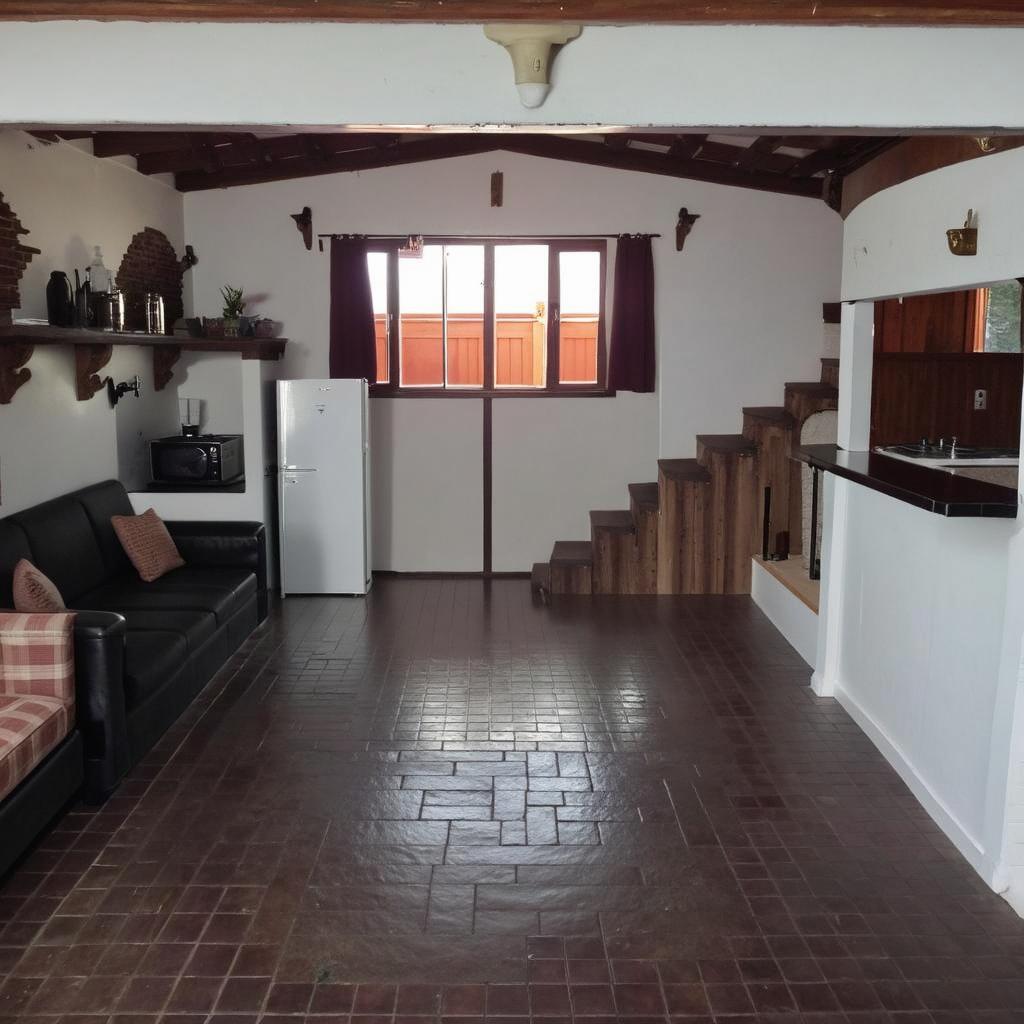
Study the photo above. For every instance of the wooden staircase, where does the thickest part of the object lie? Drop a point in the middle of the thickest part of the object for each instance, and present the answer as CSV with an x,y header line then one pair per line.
x,y
694,530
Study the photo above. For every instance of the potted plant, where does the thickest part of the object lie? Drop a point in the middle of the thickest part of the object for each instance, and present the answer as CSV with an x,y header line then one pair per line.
x,y
234,306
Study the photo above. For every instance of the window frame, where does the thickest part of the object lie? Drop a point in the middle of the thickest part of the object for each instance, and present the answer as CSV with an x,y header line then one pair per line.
x,y
553,388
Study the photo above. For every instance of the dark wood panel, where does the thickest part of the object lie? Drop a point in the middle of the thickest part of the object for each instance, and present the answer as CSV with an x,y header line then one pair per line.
x,y
914,156
943,322
818,12
915,395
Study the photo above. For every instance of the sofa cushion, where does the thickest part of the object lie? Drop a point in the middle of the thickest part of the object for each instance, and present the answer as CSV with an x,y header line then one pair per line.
x,y
13,548
64,546
195,626
30,727
37,655
223,592
147,544
151,659
101,502
34,591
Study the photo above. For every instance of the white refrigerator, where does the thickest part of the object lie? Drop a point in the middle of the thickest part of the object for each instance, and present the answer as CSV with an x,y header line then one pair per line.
x,y
323,469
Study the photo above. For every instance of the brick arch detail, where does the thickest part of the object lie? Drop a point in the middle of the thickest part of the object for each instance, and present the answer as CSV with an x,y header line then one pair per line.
x,y
150,265
14,258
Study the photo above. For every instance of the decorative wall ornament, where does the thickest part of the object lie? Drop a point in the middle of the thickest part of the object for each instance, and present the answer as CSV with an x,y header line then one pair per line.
x,y
964,241
529,46
684,225
150,265
304,222
14,258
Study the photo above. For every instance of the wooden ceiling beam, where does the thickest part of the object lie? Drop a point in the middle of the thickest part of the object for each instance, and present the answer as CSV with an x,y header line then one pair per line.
x,y
436,148
649,162
248,150
134,143
779,12
686,146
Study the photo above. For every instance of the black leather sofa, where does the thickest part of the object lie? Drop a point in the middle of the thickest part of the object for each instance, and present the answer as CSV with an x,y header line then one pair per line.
x,y
142,650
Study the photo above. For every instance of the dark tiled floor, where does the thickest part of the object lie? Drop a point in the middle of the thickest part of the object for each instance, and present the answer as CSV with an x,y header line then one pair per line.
x,y
446,802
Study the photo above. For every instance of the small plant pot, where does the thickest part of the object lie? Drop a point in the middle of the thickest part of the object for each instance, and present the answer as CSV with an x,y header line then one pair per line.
x,y
231,327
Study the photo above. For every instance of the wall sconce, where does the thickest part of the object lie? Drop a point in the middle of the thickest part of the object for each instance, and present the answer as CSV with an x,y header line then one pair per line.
x,y
964,241
189,260
529,46
684,226
115,392
304,222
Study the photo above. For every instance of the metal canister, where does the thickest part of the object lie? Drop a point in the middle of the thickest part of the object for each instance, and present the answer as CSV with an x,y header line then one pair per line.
x,y
154,313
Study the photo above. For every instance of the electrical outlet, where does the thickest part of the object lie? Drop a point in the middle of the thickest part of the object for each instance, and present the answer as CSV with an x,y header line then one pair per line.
x,y
980,399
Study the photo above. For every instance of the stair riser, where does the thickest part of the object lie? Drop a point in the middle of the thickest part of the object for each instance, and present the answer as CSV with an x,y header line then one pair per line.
x,y
615,557
730,517
571,579
830,374
682,528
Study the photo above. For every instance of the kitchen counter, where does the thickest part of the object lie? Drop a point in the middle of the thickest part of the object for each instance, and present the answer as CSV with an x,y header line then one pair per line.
x,y
946,494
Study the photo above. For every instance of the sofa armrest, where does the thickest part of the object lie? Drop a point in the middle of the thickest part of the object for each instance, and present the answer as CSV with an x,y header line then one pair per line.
x,y
240,545
100,710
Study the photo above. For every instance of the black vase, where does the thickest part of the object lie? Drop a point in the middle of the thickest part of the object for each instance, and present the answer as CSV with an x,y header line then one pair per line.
x,y
60,303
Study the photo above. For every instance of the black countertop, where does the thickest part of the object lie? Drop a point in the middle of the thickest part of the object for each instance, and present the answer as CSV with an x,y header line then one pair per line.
x,y
946,494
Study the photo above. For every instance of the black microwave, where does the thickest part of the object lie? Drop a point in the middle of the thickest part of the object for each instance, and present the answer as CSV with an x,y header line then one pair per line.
x,y
206,459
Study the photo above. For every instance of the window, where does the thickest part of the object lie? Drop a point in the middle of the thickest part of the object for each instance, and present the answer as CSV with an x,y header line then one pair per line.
x,y
501,316
1002,313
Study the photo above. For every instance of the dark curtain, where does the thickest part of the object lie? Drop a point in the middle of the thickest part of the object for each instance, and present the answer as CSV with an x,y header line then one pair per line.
x,y
631,350
353,350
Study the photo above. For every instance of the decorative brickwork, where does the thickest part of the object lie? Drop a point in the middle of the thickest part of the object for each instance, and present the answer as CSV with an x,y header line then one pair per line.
x,y
14,258
150,265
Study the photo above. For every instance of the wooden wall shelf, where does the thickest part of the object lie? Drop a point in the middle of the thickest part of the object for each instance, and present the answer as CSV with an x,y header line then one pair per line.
x,y
93,350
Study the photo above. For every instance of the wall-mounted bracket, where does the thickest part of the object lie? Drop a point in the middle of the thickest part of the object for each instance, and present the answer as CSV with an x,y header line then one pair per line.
x,y
164,359
13,372
89,360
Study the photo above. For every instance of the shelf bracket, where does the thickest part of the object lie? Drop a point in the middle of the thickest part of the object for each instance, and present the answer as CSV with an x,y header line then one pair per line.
x,y
89,360
164,358
13,372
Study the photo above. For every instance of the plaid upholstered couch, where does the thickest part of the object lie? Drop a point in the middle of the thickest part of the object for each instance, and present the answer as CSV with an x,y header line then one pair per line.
x,y
142,650
41,763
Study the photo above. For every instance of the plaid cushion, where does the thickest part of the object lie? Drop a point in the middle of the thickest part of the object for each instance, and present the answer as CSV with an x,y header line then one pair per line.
x,y
30,727
37,656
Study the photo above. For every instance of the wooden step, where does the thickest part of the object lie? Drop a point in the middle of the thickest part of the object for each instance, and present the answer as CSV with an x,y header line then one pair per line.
x,y
616,521
830,372
643,504
729,458
613,536
683,490
571,567
755,417
804,398
643,497
682,469
731,445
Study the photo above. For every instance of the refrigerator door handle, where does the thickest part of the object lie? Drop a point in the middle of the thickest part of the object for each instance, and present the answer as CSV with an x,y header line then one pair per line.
x,y
296,469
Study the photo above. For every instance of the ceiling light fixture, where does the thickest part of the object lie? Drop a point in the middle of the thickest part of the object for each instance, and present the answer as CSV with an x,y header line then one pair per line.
x,y
529,46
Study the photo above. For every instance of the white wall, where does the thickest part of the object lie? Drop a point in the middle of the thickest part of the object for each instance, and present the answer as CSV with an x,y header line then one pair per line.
x,y
49,442
334,74
738,314
919,657
922,618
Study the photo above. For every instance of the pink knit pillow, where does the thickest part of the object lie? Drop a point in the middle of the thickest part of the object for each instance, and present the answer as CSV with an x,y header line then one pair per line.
x,y
34,592
148,544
